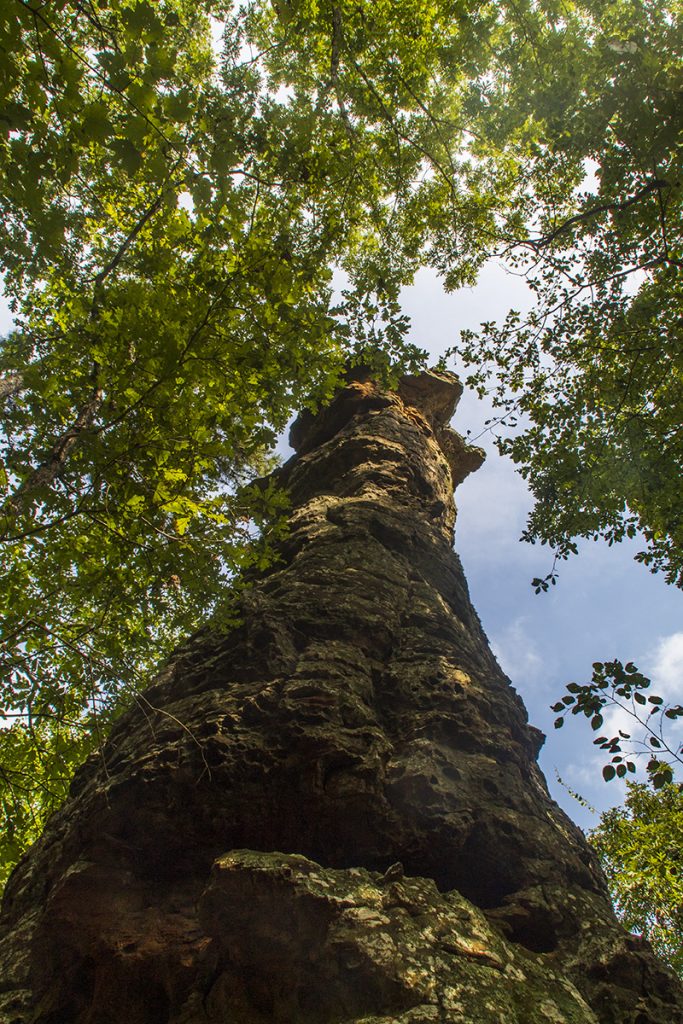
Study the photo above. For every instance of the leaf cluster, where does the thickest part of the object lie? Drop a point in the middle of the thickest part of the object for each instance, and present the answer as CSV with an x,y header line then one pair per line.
x,y
639,846
615,686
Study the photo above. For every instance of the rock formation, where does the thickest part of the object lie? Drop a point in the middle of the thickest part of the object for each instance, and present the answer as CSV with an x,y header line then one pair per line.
x,y
332,813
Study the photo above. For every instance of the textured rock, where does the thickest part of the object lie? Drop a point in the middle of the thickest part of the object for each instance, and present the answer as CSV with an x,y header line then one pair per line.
x,y
331,813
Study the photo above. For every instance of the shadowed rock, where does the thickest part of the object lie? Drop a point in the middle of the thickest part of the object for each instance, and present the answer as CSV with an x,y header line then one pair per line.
x,y
331,814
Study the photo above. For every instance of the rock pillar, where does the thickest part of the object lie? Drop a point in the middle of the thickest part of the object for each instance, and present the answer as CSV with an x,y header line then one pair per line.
x,y
332,813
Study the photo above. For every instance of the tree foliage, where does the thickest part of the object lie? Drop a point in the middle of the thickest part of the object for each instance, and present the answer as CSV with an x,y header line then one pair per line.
x,y
640,846
592,379
153,360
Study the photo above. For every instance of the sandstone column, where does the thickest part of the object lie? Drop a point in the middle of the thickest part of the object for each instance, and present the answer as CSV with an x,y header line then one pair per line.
x,y
331,814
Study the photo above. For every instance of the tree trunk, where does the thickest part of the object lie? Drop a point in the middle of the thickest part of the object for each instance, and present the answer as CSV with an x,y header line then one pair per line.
x,y
331,813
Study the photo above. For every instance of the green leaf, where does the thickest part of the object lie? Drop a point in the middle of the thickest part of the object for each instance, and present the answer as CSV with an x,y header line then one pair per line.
x,y
179,106
126,154
96,125
14,116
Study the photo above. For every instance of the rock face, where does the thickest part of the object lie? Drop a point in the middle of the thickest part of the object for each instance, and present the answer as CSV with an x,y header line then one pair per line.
x,y
331,814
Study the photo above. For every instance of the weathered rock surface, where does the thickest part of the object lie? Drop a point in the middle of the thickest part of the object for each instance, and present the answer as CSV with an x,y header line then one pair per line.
x,y
331,814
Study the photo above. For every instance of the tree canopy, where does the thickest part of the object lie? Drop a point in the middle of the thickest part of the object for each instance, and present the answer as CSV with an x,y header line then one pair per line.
x,y
180,182
594,375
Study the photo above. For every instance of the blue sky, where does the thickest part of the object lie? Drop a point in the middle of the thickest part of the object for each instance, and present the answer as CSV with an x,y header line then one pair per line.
x,y
604,606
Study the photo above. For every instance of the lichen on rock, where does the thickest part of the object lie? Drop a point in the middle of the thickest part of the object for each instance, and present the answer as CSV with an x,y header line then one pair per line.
x,y
349,947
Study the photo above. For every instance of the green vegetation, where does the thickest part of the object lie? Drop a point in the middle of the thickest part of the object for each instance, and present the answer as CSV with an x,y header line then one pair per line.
x,y
640,846
622,688
594,376
175,210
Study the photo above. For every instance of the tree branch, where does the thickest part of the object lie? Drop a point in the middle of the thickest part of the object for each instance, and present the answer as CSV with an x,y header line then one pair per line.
x,y
47,472
128,241
653,186
10,385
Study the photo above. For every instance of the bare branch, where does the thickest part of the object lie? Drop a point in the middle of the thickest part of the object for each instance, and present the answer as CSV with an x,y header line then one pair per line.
x,y
10,385
48,471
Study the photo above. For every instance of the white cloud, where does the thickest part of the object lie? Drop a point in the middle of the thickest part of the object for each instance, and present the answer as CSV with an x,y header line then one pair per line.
x,y
518,654
492,510
664,665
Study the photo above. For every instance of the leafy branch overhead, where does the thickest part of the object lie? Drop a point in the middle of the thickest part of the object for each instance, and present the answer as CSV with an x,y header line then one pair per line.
x,y
621,688
589,384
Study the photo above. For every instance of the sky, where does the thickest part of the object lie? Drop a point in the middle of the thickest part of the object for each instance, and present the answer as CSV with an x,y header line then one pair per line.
x,y
605,605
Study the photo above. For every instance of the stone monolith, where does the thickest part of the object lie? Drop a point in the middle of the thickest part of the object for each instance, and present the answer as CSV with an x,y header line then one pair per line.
x,y
332,812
